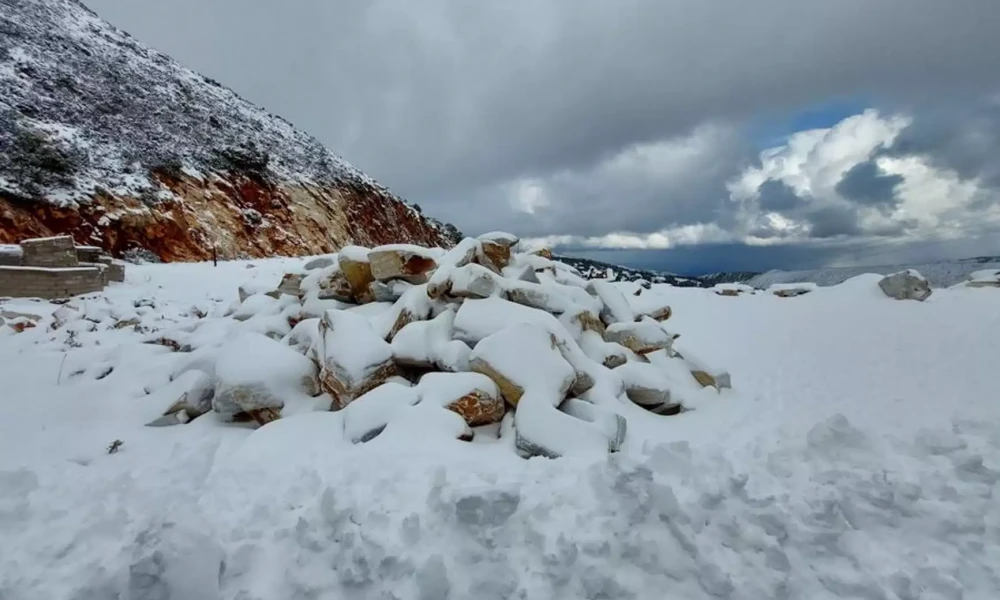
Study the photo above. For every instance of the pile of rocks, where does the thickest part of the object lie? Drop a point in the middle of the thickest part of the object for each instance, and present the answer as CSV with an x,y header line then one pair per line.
x,y
477,336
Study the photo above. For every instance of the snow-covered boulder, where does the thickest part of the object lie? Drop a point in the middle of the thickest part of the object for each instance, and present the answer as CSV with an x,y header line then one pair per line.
x,y
523,356
495,250
431,344
985,278
647,386
906,285
320,263
353,359
532,375
353,263
401,261
197,397
254,374
791,290
640,337
472,281
368,415
291,284
474,396
616,306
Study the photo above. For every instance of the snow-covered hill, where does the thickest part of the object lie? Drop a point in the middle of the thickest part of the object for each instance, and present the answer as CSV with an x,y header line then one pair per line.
x,y
939,274
100,133
595,269
856,456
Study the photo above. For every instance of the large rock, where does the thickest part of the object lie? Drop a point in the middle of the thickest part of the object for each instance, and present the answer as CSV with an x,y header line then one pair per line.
x,y
522,356
430,345
196,399
353,358
332,284
613,425
472,281
986,278
474,396
353,261
647,386
290,284
321,262
254,374
368,415
494,256
401,261
640,337
462,254
616,307
905,285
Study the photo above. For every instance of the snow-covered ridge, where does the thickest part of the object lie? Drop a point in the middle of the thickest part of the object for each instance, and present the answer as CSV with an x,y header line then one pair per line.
x,y
118,145
105,110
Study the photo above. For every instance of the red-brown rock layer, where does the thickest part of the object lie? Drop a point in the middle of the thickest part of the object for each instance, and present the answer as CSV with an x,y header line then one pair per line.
x,y
241,216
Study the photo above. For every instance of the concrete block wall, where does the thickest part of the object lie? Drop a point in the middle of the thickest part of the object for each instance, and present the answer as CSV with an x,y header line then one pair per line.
x,y
48,283
49,252
55,267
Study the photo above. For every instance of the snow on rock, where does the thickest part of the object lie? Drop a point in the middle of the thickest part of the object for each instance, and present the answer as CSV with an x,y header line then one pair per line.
x,y
499,237
353,358
477,319
353,264
367,416
522,356
430,344
320,262
640,337
255,374
616,306
906,285
474,396
401,261
648,386
984,278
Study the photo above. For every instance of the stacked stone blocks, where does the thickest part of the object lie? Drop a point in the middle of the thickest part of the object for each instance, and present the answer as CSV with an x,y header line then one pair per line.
x,y
55,267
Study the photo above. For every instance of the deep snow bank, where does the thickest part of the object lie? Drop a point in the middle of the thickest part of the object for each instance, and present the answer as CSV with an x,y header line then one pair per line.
x,y
857,457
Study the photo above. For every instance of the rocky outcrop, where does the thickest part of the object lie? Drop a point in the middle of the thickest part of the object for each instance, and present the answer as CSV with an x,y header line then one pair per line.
x,y
905,285
122,148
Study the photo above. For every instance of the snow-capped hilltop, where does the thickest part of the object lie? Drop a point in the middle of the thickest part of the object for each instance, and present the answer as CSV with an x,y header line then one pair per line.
x,y
595,269
97,129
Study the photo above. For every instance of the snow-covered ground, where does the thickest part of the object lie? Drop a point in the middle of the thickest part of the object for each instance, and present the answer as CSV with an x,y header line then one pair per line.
x,y
857,456
939,274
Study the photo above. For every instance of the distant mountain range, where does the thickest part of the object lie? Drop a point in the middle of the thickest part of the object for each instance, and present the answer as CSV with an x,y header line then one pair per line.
x,y
939,274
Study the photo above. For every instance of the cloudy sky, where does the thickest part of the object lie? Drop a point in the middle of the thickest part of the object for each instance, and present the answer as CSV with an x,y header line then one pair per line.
x,y
685,135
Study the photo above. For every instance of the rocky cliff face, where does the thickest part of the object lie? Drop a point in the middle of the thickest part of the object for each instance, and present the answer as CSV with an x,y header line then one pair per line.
x,y
121,147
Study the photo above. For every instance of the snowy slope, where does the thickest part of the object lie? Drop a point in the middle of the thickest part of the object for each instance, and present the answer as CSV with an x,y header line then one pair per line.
x,y
857,456
595,269
100,132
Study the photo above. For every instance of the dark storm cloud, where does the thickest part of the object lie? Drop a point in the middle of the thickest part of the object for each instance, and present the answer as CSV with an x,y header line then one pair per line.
x,y
777,196
440,97
962,139
831,221
866,184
